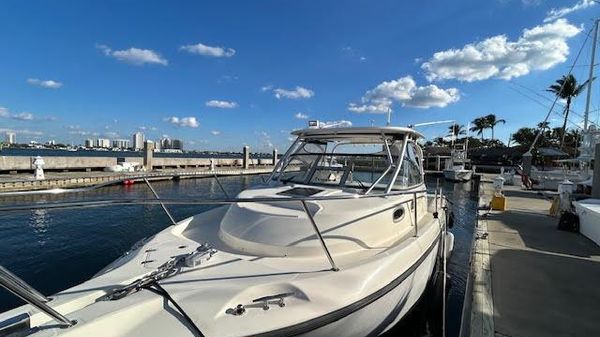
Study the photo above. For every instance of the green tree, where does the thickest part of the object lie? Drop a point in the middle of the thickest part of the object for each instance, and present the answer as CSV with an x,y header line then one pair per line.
x,y
456,130
566,88
524,136
491,121
479,125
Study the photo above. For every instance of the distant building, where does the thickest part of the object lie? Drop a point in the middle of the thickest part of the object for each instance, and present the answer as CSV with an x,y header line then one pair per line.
x,y
89,143
165,143
177,144
103,142
121,143
138,141
51,142
11,138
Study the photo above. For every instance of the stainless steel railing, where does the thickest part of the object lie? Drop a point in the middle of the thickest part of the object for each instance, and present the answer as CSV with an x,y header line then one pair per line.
x,y
21,289
15,285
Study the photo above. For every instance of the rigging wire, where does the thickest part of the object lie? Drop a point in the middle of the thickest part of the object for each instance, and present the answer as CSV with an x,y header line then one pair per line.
x,y
539,133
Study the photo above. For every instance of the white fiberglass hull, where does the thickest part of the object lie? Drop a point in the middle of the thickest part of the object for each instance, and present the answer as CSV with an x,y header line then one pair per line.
x,y
549,180
588,211
370,293
457,175
383,313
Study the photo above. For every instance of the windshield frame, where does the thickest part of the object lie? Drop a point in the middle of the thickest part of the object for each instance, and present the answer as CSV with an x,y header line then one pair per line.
x,y
393,166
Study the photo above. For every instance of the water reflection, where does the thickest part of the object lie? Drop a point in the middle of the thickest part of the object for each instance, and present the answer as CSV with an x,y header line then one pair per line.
x,y
40,222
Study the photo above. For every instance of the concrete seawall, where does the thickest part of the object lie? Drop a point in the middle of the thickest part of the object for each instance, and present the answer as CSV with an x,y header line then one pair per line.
x,y
19,183
59,163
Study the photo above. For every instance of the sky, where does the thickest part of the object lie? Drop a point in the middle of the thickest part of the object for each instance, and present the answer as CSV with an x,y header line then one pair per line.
x,y
223,74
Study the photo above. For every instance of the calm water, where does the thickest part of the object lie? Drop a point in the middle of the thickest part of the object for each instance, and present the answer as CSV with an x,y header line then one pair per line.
x,y
56,249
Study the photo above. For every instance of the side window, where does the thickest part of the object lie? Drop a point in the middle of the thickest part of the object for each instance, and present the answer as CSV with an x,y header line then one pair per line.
x,y
410,171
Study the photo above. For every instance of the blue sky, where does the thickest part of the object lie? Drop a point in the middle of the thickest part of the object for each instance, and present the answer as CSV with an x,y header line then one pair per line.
x,y
225,73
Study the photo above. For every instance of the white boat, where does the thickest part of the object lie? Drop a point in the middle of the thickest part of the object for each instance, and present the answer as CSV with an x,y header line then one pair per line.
x,y
588,211
124,167
455,167
318,250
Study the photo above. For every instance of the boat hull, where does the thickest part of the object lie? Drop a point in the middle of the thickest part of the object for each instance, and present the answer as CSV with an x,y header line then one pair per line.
x,y
458,175
384,309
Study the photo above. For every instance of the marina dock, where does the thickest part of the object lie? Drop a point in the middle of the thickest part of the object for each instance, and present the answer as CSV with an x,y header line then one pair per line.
x,y
527,277
25,182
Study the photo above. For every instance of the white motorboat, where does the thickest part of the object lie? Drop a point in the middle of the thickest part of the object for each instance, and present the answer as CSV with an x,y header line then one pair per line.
x,y
318,250
455,167
588,211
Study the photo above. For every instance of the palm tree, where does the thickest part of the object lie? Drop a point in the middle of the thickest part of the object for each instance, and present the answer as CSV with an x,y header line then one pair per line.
x,y
543,125
457,130
479,125
566,88
491,121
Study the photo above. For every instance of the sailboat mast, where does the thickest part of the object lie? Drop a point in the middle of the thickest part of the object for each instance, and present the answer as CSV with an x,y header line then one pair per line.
x,y
590,78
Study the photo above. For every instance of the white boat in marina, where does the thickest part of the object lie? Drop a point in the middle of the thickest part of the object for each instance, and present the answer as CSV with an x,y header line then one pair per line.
x,y
455,167
588,211
320,249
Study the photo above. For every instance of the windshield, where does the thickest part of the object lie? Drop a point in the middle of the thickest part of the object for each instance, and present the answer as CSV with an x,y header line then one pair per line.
x,y
355,163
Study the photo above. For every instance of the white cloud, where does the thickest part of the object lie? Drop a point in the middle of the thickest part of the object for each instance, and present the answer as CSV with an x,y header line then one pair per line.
x,y
202,49
296,93
134,55
556,13
265,88
337,124
215,132
221,104
353,54
23,116
48,84
300,115
405,91
538,48
22,132
189,122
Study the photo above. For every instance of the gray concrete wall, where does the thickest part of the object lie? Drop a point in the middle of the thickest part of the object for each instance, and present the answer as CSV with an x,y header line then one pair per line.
x,y
23,163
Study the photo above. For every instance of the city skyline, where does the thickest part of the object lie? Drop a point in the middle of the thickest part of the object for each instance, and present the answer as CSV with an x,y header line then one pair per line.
x,y
219,78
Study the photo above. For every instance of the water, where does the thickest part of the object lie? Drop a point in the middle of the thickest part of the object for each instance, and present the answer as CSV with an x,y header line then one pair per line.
x,y
57,249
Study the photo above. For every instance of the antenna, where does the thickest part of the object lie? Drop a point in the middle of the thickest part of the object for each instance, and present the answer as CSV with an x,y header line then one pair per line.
x,y
590,78
389,116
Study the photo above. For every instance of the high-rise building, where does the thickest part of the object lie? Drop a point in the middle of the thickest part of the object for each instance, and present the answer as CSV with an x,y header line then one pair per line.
x,y
89,143
177,144
103,142
165,143
121,143
138,141
11,138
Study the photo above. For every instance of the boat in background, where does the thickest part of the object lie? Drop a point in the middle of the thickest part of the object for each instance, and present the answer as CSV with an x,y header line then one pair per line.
x,y
341,240
455,167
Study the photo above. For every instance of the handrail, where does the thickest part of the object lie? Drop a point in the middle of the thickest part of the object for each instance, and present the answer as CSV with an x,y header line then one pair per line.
x,y
161,203
318,232
194,201
21,289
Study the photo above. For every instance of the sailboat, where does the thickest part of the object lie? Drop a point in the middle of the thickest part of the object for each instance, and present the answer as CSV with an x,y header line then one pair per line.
x,y
579,173
340,241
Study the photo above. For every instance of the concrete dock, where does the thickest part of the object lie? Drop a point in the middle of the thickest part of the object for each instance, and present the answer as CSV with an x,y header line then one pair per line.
x,y
25,182
527,277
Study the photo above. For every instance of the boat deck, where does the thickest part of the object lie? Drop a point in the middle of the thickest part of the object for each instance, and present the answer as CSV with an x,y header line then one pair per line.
x,y
530,279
